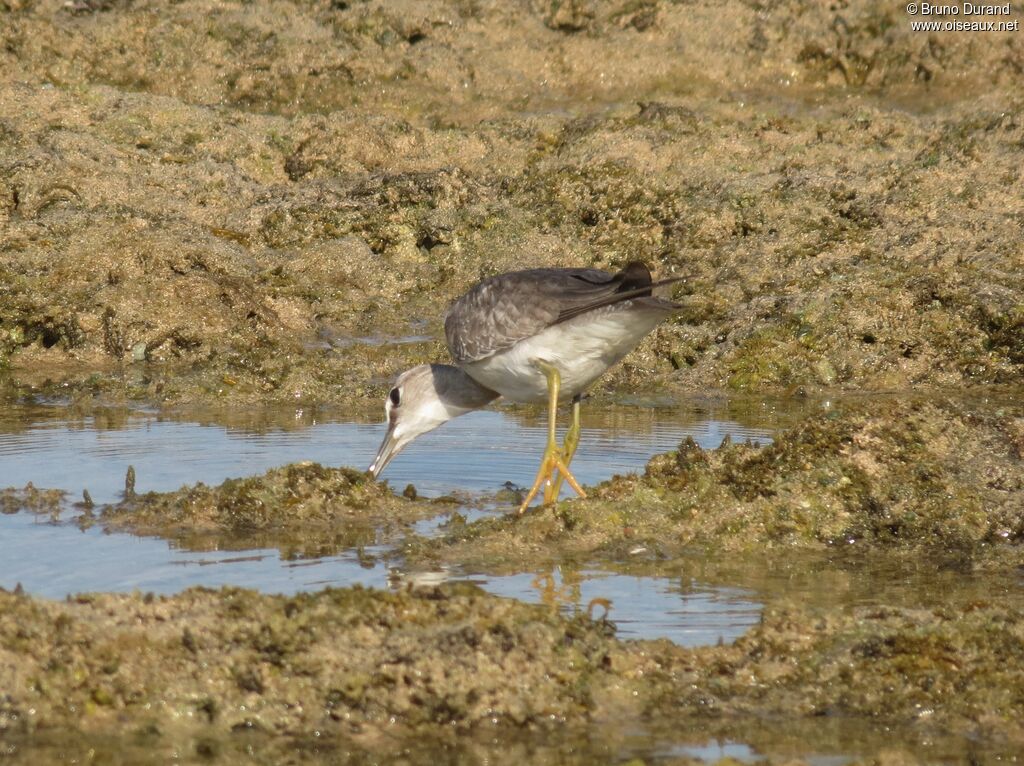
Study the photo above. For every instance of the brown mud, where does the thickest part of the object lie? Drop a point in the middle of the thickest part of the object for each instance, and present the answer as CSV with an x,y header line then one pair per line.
x,y
218,203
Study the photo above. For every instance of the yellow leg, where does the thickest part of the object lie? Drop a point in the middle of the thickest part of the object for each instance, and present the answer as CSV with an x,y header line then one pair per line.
x,y
572,441
552,460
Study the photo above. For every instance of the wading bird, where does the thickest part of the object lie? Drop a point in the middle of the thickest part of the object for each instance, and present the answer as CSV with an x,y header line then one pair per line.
x,y
530,336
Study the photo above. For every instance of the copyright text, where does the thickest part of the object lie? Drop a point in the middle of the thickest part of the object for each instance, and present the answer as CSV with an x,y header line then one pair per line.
x,y
962,17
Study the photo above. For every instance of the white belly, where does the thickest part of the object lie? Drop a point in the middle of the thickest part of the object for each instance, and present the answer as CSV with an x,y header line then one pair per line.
x,y
581,349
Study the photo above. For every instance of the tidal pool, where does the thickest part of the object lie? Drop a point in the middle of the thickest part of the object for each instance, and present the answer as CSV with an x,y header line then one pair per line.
x,y
692,600
479,453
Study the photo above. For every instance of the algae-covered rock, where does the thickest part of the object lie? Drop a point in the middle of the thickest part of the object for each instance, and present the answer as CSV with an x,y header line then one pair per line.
x,y
302,508
451,668
318,57
349,664
937,474
953,668
930,473
31,499
201,202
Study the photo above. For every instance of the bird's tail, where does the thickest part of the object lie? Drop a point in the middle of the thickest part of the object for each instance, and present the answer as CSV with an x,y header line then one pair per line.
x,y
635,281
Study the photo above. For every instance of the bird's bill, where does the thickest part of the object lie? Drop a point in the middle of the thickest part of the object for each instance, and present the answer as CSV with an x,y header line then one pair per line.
x,y
388,449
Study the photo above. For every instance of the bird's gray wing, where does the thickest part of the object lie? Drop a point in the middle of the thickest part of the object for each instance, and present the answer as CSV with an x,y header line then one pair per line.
x,y
502,310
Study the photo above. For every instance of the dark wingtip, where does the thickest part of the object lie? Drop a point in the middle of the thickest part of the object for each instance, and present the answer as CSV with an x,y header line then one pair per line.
x,y
635,276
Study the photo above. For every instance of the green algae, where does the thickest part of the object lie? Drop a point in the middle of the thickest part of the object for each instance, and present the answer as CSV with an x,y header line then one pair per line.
x,y
925,473
960,666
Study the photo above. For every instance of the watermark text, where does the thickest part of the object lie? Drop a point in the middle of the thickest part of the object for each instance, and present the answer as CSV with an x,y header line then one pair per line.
x,y
962,17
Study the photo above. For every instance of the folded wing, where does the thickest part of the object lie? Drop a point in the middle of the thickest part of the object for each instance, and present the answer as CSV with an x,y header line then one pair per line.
x,y
501,311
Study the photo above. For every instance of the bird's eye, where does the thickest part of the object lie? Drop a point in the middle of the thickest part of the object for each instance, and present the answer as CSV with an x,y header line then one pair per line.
x,y
395,396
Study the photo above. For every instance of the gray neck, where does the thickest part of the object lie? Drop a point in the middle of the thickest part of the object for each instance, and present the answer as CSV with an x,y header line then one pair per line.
x,y
459,391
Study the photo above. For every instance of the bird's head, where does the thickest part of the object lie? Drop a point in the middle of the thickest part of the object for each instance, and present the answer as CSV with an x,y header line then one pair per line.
x,y
422,399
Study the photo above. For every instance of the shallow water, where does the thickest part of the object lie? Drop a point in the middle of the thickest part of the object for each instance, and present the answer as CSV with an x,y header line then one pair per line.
x,y
478,453
53,559
687,613
691,602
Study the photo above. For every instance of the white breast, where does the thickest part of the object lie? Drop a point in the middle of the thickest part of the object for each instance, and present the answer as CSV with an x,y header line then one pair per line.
x,y
581,349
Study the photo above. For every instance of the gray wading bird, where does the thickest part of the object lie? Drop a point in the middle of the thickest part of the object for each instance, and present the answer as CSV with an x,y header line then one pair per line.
x,y
530,336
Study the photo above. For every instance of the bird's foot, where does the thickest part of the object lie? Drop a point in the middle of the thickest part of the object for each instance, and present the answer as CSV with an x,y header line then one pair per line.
x,y
551,464
553,486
